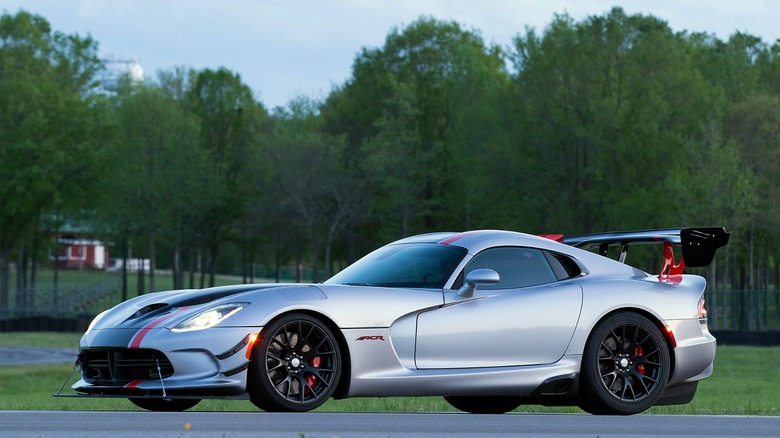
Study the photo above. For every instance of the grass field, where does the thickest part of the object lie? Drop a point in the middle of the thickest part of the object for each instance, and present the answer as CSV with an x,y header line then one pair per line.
x,y
744,383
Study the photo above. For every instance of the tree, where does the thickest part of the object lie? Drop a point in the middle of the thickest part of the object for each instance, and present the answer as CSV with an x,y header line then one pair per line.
x,y
228,115
157,175
603,104
311,173
768,64
51,125
710,184
405,110
755,125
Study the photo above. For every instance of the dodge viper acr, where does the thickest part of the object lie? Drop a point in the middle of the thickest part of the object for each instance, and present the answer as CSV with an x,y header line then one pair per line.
x,y
487,319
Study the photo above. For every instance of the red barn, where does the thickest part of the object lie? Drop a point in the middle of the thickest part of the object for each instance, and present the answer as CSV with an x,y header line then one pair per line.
x,y
81,254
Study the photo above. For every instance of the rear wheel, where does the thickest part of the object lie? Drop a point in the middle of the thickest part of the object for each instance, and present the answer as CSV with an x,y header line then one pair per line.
x,y
165,404
296,366
625,366
484,404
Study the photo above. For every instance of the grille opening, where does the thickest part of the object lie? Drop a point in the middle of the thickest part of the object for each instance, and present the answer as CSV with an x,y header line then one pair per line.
x,y
111,367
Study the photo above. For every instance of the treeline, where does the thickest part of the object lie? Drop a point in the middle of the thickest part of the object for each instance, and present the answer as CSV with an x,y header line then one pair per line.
x,y
613,122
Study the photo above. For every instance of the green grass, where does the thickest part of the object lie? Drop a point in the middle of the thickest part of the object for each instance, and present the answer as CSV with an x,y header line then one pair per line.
x,y
41,339
744,383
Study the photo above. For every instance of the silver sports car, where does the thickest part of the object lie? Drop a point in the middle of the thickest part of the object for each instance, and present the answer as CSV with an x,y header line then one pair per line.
x,y
487,319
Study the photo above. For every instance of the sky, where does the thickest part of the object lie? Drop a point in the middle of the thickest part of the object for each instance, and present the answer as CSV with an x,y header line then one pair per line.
x,y
287,48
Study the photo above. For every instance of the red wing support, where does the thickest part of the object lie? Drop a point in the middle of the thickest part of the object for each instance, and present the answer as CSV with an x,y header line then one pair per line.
x,y
670,271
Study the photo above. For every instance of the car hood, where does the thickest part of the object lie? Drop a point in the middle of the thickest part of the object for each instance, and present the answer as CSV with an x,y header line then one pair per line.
x,y
143,310
348,306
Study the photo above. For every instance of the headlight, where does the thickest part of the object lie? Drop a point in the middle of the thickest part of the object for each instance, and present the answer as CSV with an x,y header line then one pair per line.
x,y
209,318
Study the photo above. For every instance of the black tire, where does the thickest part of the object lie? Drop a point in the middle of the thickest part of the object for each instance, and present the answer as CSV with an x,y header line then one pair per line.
x,y
296,366
625,366
165,404
484,404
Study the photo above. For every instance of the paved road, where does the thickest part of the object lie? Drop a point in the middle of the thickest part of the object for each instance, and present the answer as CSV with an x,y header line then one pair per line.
x,y
67,424
36,355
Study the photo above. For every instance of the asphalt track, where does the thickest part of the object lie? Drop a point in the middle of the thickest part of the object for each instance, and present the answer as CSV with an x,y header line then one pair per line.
x,y
56,424
36,355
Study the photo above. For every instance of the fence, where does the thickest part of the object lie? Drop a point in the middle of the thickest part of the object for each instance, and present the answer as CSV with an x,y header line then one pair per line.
x,y
67,300
744,309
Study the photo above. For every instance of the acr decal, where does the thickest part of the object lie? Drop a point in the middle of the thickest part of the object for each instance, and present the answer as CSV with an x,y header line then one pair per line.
x,y
136,341
371,338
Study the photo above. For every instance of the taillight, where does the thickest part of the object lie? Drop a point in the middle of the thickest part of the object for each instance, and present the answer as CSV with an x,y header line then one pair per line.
x,y
702,312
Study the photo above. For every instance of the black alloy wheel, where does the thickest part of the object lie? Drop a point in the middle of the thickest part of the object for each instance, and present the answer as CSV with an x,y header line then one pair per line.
x,y
296,366
484,404
625,366
165,404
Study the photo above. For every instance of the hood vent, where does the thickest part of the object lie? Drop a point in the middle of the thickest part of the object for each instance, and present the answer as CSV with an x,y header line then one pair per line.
x,y
203,296
148,309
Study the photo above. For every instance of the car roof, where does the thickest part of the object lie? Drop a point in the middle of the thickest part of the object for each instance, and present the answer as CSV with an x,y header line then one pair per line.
x,y
477,240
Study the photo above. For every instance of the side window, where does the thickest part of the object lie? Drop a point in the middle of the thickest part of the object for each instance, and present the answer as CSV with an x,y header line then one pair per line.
x,y
517,267
563,266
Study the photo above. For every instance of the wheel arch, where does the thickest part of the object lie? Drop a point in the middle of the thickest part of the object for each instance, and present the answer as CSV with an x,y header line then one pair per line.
x,y
596,394
657,322
342,388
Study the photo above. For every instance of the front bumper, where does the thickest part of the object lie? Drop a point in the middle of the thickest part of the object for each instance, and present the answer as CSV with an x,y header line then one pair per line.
x,y
205,363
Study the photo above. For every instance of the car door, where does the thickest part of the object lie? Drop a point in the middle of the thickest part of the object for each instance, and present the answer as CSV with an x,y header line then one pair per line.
x,y
528,318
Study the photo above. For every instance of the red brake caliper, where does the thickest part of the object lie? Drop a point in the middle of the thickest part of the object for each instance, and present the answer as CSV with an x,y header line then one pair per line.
x,y
639,352
314,362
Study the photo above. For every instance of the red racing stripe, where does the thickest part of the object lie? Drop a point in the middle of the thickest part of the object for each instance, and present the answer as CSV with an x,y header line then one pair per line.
x,y
456,237
555,237
133,384
136,341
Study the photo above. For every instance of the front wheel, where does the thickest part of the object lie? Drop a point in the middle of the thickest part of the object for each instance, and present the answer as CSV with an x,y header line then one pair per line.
x,y
625,366
296,366
484,404
165,404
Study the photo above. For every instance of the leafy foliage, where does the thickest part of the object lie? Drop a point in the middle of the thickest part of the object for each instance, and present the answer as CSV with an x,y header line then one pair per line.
x,y
51,126
612,122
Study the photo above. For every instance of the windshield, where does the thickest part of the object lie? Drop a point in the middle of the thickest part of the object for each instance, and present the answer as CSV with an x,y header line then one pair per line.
x,y
407,265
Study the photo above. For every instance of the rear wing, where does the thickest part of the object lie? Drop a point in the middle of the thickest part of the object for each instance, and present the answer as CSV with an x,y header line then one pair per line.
x,y
698,244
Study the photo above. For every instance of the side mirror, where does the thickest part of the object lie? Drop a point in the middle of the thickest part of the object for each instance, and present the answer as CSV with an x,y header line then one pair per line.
x,y
475,278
